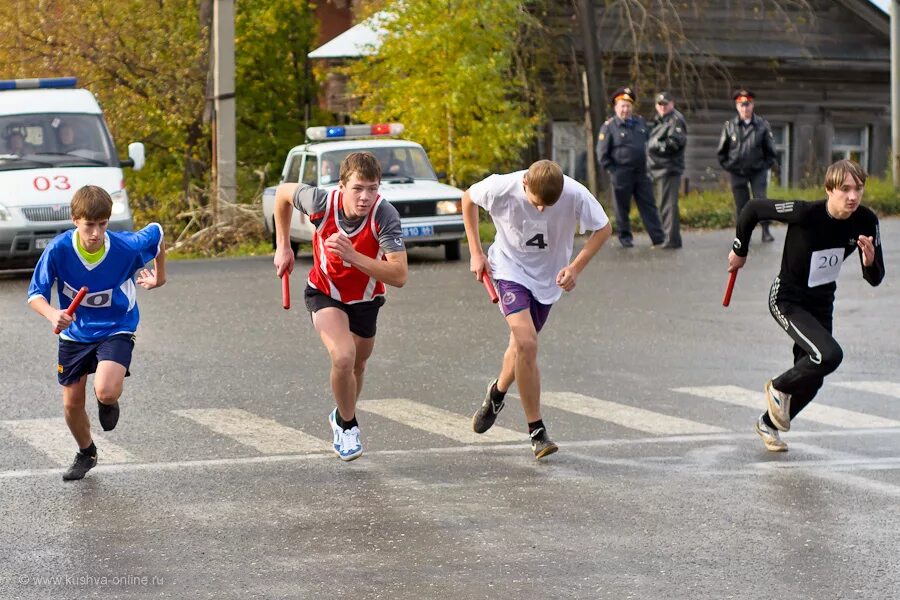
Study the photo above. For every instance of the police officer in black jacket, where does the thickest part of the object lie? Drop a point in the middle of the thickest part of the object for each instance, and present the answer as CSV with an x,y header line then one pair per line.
x,y
622,150
747,152
665,158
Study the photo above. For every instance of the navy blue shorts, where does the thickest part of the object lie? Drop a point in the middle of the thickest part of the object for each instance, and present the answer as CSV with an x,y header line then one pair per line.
x,y
77,359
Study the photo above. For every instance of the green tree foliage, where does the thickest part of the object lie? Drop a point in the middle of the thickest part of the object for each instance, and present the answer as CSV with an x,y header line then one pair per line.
x,y
145,61
148,64
453,72
275,88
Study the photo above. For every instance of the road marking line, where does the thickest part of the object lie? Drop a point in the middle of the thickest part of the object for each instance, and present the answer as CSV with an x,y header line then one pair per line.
x,y
749,438
265,435
624,415
438,421
885,388
815,412
52,438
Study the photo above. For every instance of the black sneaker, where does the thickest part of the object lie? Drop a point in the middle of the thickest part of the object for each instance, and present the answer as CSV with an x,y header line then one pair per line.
x,y
541,443
767,235
109,415
486,414
79,468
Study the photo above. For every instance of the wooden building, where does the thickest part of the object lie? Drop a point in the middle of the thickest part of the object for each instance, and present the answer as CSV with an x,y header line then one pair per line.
x,y
820,72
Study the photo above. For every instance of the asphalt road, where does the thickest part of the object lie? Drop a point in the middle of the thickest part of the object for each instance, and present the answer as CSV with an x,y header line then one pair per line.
x,y
218,482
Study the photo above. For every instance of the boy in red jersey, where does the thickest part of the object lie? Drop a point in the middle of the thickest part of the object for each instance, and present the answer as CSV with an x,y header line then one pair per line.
x,y
357,248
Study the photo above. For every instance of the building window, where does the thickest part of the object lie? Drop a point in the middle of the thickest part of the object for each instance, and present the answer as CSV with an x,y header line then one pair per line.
x,y
781,172
569,148
851,143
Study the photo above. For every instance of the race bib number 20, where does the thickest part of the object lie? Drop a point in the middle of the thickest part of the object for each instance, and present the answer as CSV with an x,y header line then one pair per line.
x,y
825,266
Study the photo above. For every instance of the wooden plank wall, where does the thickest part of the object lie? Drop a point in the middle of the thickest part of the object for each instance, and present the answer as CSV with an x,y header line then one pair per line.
x,y
832,69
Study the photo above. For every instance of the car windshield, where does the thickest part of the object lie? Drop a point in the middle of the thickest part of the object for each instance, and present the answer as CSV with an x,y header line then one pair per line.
x,y
59,140
398,163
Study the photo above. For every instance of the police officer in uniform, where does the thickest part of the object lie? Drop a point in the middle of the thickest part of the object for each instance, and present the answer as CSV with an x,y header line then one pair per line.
x,y
665,158
747,152
622,150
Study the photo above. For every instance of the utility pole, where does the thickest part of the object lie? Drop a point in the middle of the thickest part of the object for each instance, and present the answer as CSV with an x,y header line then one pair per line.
x,y
895,92
596,103
225,146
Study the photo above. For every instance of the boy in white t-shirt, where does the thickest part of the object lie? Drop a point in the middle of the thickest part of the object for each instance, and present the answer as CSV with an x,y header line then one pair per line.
x,y
535,213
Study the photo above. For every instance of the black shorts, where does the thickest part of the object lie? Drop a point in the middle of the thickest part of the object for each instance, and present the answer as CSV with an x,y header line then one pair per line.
x,y
362,315
77,359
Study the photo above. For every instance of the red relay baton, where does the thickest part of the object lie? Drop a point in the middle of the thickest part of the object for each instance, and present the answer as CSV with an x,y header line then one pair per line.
x,y
285,290
75,302
726,300
489,286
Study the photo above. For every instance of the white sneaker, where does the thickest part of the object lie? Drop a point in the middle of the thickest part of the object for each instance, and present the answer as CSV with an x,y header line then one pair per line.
x,y
779,405
346,442
770,437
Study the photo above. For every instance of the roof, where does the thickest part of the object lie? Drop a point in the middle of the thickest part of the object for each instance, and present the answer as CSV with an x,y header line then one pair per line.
x,y
363,39
356,144
50,100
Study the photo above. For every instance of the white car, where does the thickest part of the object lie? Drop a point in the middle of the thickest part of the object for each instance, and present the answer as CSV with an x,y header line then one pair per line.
x,y
430,211
53,140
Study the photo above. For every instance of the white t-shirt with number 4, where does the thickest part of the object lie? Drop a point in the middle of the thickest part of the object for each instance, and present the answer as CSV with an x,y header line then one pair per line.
x,y
531,247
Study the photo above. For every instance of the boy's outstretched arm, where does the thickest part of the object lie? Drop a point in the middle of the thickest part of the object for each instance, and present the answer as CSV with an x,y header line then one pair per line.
x,y
155,277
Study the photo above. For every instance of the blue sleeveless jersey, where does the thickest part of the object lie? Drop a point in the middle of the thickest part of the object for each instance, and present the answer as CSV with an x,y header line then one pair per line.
x,y
110,306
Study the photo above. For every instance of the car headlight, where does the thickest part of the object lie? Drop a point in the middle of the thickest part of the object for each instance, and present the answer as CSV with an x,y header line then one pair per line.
x,y
449,207
5,215
120,202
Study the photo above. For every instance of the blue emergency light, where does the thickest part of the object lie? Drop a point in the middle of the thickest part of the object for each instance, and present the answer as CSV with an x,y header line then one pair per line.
x,y
33,84
346,132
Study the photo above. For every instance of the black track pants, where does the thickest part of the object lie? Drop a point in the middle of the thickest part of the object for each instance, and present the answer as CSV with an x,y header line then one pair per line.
x,y
816,353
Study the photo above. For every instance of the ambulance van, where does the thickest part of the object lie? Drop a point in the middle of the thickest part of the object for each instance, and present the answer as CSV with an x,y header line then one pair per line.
x,y
53,140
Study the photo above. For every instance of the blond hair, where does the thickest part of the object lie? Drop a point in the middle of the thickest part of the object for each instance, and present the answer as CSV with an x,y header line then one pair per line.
x,y
837,173
91,203
545,181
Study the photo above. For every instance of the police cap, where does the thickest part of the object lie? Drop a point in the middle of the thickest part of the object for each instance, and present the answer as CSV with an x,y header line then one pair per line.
x,y
624,93
743,95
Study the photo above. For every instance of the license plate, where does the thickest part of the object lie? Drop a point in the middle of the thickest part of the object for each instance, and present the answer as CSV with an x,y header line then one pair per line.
x,y
42,243
418,231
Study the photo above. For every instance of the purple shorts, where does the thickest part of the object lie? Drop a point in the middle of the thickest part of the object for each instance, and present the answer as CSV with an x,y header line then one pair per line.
x,y
515,297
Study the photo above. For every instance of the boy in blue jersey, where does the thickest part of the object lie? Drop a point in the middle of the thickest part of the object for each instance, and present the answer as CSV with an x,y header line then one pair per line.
x,y
99,337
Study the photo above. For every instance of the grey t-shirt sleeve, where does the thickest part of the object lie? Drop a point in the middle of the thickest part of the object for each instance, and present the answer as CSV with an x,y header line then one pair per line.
x,y
311,201
387,223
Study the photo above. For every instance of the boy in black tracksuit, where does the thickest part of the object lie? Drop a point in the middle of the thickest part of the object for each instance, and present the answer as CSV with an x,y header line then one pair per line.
x,y
820,236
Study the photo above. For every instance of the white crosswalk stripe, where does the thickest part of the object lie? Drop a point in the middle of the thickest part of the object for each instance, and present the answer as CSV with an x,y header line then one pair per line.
x,y
885,388
624,415
438,421
265,435
815,412
52,438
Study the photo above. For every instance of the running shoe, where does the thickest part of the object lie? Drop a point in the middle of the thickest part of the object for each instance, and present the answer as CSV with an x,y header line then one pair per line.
x,y
79,467
541,443
779,405
347,444
109,415
770,437
484,417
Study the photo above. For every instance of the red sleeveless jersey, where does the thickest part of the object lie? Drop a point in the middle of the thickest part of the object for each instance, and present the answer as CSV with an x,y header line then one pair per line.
x,y
331,275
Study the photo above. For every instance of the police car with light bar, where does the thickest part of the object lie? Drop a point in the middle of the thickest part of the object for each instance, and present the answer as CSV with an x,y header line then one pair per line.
x,y
53,140
430,211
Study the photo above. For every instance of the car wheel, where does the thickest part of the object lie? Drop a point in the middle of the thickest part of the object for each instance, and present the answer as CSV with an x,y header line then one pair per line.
x,y
295,246
451,250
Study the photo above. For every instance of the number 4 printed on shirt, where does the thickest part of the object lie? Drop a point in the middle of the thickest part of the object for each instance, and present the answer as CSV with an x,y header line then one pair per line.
x,y
537,241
